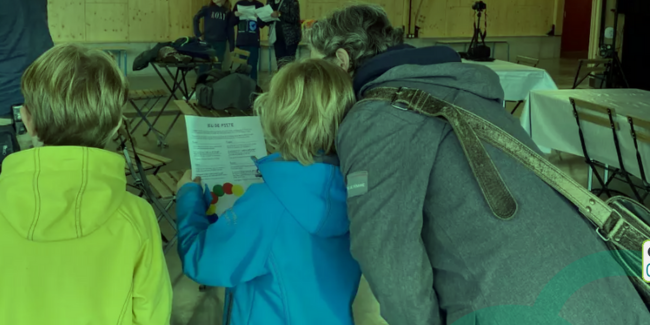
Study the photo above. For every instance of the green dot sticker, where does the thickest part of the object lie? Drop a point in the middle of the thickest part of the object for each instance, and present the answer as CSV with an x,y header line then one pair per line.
x,y
218,190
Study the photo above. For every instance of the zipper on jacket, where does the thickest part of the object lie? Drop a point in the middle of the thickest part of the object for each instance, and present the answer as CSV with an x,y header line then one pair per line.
x,y
229,299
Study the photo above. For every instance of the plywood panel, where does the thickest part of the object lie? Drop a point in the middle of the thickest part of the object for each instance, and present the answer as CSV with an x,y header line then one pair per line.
x,y
504,17
558,16
107,22
62,27
498,22
320,9
394,8
162,20
462,23
148,20
107,1
180,18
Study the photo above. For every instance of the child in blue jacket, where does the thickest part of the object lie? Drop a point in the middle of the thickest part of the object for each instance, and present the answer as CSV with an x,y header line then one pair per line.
x,y
283,250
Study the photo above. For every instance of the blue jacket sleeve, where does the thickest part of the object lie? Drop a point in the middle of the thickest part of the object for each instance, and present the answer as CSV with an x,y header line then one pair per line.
x,y
197,22
232,250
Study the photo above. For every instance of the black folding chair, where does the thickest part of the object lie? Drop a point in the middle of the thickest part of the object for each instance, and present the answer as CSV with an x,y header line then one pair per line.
x,y
141,183
640,131
591,114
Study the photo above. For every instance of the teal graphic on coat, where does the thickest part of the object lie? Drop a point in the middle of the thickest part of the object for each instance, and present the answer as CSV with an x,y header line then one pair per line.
x,y
555,294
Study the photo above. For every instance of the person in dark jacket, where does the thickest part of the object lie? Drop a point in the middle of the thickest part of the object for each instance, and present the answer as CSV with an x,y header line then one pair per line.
x,y
217,30
287,30
248,34
426,239
25,36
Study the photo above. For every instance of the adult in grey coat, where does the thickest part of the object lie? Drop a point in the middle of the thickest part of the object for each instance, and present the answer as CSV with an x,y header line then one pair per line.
x,y
424,236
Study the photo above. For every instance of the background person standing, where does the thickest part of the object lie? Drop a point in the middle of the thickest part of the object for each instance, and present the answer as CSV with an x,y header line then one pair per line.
x,y
287,30
25,36
217,30
248,34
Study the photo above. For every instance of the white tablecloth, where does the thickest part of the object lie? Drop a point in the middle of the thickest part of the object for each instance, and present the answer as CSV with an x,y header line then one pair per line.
x,y
518,81
555,127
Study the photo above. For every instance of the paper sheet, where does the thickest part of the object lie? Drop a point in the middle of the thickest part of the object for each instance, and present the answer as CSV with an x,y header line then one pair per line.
x,y
221,151
264,13
247,12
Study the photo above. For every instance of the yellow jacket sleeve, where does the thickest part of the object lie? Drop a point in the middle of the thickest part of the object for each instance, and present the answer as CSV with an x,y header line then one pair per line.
x,y
152,290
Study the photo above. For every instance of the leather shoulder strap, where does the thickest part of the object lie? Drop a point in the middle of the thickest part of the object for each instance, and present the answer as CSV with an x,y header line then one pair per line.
x,y
470,129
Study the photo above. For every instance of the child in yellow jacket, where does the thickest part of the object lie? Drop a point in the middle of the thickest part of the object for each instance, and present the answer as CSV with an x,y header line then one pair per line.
x,y
75,246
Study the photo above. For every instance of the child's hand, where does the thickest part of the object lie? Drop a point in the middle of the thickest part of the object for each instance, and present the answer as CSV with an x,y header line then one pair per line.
x,y
237,14
186,179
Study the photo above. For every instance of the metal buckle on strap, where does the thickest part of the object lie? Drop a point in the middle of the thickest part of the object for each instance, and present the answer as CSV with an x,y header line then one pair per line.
x,y
395,98
601,235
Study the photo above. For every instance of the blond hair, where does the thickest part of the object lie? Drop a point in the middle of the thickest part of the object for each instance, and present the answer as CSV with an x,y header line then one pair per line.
x,y
75,96
361,30
302,111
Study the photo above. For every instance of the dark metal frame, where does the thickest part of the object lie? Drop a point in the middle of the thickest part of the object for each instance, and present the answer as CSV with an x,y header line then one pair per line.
x,y
606,181
179,83
646,185
140,182
581,63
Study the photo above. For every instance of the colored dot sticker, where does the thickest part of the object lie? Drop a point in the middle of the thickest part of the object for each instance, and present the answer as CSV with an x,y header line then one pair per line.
x,y
238,190
212,210
227,188
218,190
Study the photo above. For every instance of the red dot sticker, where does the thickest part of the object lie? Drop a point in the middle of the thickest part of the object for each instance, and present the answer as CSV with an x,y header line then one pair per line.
x,y
227,188
215,199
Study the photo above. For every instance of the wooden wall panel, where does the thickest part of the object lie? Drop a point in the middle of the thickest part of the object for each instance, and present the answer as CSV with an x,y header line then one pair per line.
x,y
180,18
558,17
163,20
107,22
454,18
149,20
62,27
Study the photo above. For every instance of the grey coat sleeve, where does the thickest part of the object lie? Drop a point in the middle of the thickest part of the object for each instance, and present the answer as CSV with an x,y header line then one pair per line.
x,y
386,222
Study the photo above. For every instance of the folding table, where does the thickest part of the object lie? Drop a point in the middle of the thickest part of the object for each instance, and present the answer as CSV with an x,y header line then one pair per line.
x,y
518,81
466,44
554,125
179,83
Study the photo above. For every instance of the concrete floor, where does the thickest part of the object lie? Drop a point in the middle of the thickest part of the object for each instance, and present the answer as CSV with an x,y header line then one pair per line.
x,y
192,307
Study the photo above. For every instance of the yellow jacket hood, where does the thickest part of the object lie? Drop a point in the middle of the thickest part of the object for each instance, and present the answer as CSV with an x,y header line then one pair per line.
x,y
61,193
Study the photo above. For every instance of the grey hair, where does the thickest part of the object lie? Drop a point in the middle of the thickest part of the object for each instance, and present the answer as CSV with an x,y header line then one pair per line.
x,y
362,30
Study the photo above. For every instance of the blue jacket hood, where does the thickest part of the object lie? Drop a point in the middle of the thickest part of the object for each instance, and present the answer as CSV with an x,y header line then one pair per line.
x,y
401,55
321,207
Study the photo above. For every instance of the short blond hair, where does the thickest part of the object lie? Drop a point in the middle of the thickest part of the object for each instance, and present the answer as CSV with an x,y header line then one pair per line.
x,y
302,111
75,96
